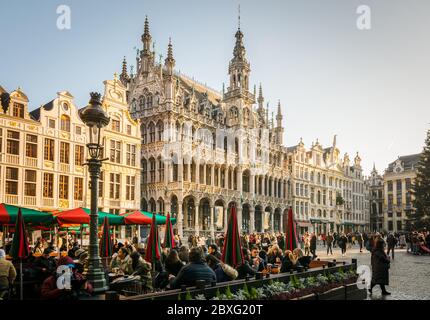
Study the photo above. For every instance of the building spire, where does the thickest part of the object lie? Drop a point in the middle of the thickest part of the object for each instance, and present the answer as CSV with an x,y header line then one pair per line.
x,y
146,37
124,77
279,115
169,62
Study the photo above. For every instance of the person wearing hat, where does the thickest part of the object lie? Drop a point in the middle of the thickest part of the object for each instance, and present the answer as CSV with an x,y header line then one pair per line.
x,y
81,263
44,265
7,274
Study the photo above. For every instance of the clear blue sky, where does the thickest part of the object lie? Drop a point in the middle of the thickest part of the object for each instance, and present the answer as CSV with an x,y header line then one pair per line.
x,y
371,87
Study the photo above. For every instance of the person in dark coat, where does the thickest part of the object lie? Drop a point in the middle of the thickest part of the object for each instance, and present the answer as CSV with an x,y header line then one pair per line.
x,y
173,264
313,245
391,244
213,250
343,240
359,237
380,266
245,269
197,269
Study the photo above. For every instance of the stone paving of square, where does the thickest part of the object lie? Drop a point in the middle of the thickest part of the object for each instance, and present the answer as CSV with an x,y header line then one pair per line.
x,y
409,274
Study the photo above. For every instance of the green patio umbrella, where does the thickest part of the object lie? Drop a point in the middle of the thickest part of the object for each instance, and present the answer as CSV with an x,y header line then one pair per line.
x,y
169,238
232,250
9,213
153,248
20,249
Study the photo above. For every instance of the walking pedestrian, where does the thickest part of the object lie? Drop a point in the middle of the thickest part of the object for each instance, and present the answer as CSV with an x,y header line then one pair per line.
x,y
343,240
329,240
313,245
360,241
391,244
380,266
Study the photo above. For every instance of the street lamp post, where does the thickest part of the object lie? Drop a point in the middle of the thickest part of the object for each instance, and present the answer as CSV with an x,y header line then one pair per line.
x,y
95,118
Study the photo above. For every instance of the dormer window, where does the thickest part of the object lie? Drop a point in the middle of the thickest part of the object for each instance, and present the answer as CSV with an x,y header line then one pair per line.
x,y
116,125
65,123
18,110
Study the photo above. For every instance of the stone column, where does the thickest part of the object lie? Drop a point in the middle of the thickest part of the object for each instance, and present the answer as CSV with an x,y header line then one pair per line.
x,y
239,218
212,226
180,220
180,170
251,219
219,177
212,175
272,220
273,187
196,221
252,185
198,172
205,178
281,222
263,185
239,179
227,177
189,171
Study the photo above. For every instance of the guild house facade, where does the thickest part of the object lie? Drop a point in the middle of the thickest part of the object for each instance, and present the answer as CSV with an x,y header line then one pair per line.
x,y
42,153
204,151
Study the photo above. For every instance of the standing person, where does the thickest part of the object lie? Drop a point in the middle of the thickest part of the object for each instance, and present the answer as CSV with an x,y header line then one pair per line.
x,y
335,236
380,266
343,240
329,243
391,244
313,245
360,241
307,242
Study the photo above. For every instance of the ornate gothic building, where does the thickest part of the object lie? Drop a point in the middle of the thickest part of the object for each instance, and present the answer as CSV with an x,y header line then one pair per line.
x,y
203,150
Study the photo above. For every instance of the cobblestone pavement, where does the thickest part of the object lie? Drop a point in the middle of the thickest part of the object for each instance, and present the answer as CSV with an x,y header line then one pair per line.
x,y
409,274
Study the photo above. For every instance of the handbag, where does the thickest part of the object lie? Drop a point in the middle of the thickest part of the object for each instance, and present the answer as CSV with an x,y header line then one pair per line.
x,y
229,271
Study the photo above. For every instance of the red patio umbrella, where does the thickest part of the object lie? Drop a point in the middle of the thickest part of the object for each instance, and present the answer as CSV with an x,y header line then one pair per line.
x,y
20,249
169,238
291,233
232,250
136,217
153,249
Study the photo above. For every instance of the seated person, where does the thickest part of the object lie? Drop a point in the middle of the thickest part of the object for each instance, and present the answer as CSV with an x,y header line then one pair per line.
x,y
44,265
196,269
246,269
122,261
256,259
7,274
173,264
289,262
82,263
274,255
79,285
213,250
223,271
304,261
142,269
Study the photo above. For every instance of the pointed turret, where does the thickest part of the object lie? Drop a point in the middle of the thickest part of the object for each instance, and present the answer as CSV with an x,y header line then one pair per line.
x,y
260,100
169,62
124,77
146,56
146,37
279,115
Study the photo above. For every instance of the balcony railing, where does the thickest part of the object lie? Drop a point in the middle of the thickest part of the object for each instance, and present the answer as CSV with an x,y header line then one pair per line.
x,y
31,162
12,159
48,202
11,198
64,167
29,201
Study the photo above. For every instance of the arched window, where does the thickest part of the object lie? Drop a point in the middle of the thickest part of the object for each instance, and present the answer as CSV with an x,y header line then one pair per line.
x,y
152,169
149,101
144,135
151,132
65,123
142,101
245,181
144,171
160,128
319,197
